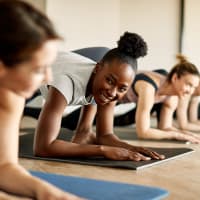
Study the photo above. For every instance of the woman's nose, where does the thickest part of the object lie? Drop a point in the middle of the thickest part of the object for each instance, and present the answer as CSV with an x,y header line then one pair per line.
x,y
112,92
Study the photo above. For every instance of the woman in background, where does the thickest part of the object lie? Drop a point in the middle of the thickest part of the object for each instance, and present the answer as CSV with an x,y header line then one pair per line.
x,y
153,90
28,44
80,81
188,111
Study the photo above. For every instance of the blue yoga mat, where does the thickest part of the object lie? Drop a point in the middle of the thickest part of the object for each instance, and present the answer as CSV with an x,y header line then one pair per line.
x,y
102,190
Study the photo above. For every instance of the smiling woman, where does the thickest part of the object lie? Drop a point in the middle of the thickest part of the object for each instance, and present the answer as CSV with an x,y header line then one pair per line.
x,y
152,91
79,80
28,45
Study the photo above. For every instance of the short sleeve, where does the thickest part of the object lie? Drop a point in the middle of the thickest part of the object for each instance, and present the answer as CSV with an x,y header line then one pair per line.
x,y
64,85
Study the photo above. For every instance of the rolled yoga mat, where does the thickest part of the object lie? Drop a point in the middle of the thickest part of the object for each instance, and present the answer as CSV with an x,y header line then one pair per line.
x,y
102,190
26,151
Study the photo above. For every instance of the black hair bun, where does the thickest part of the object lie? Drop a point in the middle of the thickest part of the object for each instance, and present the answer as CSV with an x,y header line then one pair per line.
x,y
132,45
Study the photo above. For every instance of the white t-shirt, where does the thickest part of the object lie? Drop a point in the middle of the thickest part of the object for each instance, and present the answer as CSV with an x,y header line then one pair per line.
x,y
71,73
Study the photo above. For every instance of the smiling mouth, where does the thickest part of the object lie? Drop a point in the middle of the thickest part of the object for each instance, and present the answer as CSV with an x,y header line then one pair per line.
x,y
104,99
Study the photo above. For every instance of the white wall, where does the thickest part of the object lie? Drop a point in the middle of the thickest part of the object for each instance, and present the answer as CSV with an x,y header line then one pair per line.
x,y
158,22
85,23
191,47
99,23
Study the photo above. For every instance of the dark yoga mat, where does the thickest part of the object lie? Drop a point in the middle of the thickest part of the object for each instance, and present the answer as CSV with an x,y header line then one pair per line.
x,y
124,133
26,151
102,190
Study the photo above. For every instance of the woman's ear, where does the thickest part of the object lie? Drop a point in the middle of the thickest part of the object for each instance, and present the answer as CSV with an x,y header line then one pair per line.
x,y
174,78
97,67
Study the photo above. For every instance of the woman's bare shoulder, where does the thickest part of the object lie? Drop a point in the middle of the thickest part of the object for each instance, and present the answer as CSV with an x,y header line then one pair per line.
x,y
9,100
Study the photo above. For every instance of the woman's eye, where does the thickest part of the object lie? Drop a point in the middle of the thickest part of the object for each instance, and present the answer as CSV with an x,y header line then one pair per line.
x,y
109,81
122,90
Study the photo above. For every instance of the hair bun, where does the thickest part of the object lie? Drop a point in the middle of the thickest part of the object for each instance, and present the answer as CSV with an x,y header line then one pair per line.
x,y
132,45
181,58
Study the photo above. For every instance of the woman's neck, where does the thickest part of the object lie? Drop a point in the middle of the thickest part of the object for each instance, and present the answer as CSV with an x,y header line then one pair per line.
x,y
166,88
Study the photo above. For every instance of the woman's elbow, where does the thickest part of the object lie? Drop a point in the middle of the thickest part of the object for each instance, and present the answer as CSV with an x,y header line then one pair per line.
x,y
41,150
141,134
183,126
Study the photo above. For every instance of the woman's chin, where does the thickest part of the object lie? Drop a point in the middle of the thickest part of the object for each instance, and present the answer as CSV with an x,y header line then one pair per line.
x,y
100,102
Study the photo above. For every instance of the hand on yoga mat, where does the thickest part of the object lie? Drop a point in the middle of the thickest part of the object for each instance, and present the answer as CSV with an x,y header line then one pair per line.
x,y
117,153
135,153
148,152
189,137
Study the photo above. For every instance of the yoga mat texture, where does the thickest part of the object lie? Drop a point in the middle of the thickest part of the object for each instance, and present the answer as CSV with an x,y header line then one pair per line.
x,y
26,151
102,190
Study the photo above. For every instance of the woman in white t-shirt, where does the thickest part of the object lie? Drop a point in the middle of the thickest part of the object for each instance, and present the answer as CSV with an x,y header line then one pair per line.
x,y
81,81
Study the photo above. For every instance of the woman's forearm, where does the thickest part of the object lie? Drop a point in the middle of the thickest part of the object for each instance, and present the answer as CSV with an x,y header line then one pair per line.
x,y
15,179
190,126
61,148
6,196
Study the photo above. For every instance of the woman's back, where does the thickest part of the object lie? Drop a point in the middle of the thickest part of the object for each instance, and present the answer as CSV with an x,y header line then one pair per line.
x,y
155,79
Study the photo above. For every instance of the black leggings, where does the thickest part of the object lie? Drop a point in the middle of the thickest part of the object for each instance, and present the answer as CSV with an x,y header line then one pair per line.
x,y
70,121
129,117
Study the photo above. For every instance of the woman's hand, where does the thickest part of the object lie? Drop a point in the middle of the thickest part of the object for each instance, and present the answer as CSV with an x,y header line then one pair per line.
x,y
132,152
148,152
193,138
118,153
195,135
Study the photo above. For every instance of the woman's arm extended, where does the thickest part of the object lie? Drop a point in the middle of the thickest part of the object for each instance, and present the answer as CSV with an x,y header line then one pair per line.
x,y
47,144
106,136
187,113
166,122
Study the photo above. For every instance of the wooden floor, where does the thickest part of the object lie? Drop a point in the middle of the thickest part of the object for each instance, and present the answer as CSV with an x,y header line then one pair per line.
x,y
181,176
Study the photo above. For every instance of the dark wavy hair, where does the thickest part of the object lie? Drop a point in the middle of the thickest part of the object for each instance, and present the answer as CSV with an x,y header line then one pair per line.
x,y
182,68
130,47
24,29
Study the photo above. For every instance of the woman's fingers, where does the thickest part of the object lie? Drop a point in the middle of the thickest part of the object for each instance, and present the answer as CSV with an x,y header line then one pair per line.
x,y
149,152
135,156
